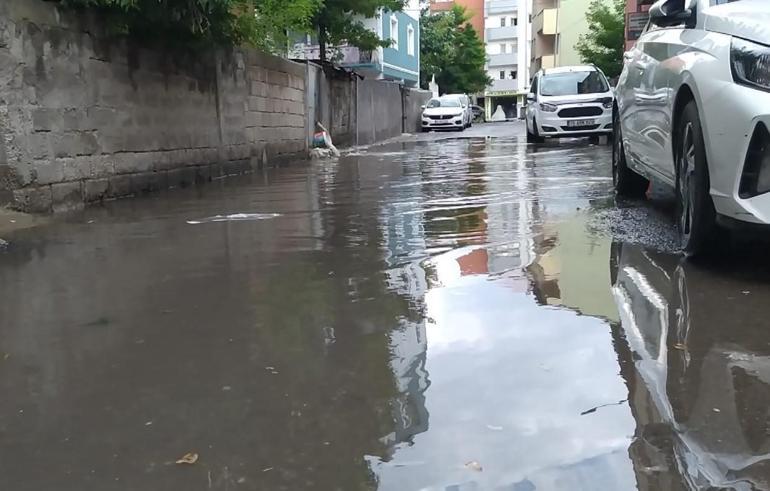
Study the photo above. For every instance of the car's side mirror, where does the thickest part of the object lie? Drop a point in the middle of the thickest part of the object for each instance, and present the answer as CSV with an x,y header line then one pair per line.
x,y
531,97
422,107
664,13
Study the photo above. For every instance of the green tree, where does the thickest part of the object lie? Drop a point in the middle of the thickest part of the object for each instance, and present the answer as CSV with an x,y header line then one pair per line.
x,y
451,50
604,43
336,23
261,23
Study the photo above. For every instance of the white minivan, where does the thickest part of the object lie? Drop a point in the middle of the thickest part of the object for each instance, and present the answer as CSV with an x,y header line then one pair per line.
x,y
569,101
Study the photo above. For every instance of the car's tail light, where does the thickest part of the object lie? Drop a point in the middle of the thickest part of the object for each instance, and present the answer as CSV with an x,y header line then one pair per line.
x,y
756,171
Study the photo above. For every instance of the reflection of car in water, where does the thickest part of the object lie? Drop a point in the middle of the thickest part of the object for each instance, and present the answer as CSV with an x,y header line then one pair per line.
x,y
695,353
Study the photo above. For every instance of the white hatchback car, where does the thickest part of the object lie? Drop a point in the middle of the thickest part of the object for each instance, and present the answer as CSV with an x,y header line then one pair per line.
x,y
693,111
568,102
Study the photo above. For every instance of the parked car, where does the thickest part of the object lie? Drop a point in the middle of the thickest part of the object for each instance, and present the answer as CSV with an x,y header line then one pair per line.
x,y
466,102
693,112
444,113
478,113
699,391
567,102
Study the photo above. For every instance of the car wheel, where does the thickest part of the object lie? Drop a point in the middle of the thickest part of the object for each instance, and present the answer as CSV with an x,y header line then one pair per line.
x,y
627,182
594,139
534,136
695,208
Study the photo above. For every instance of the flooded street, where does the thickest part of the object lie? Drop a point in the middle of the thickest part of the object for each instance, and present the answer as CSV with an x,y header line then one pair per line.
x,y
451,312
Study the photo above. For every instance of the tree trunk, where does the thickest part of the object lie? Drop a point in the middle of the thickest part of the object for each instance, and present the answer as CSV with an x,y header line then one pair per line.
x,y
322,43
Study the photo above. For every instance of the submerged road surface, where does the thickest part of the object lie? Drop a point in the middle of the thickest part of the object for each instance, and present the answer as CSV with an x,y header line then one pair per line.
x,y
453,312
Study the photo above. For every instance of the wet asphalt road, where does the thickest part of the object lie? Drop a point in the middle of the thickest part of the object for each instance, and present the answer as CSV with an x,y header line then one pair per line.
x,y
450,312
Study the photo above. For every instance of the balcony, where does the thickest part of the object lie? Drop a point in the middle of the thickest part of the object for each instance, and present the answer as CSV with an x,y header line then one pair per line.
x,y
502,59
352,56
499,33
548,61
507,85
494,7
545,22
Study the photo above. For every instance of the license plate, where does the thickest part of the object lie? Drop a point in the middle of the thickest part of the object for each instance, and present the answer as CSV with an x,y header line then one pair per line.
x,y
577,123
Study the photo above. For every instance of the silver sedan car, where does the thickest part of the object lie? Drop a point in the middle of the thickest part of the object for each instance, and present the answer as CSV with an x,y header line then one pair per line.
x,y
693,111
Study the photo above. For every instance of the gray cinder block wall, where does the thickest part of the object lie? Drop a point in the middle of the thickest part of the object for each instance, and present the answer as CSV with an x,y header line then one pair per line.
x,y
84,117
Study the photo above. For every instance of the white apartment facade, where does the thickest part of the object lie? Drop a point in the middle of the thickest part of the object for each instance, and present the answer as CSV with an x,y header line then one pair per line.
x,y
506,35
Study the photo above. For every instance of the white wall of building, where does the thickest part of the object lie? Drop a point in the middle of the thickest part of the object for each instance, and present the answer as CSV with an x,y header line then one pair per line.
x,y
524,31
496,20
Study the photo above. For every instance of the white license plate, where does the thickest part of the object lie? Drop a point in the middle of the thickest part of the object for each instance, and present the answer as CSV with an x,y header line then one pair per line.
x,y
577,123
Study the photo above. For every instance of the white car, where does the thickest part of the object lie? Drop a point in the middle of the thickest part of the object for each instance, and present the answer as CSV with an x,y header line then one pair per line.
x,y
569,101
444,113
693,111
466,102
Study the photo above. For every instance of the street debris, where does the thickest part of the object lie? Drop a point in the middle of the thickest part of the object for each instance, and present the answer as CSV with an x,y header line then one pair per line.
x,y
267,469
188,458
680,346
323,147
474,466
235,217
3,245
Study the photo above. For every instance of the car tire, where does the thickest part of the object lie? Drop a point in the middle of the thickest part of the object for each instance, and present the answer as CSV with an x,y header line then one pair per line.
x,y
534,137
594,139
696,215
627,183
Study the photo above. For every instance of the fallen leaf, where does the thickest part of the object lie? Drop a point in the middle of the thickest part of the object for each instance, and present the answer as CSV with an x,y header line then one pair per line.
x,y
474,466
188,458
680,346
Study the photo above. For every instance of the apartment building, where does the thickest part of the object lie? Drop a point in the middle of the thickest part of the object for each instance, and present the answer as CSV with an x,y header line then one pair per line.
x,y
556,28
399,62
636,19
474,8
506,36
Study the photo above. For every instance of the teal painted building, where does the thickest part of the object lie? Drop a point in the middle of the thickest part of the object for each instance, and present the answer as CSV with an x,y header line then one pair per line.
x,y
399,62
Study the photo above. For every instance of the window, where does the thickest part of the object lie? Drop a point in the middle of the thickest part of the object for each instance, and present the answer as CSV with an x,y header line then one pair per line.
x,y
514,21
444,102
513,74
502,74
410,44
574,83
503,48
533,90
502,21
394,32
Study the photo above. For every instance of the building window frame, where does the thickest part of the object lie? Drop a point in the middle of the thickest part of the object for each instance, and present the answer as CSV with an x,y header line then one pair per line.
x,y
410,40
394,32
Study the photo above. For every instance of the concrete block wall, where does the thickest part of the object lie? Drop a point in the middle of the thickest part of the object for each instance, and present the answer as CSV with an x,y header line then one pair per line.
x,y
414,99
379,111
84,117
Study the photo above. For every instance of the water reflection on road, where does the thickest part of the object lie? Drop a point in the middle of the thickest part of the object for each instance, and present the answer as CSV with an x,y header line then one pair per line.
x,y
440,315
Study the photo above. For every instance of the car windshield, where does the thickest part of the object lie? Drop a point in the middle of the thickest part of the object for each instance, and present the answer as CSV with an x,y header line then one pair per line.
x,y
573,83
444,103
